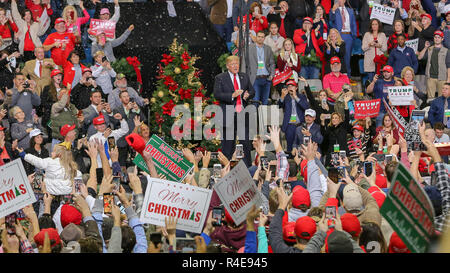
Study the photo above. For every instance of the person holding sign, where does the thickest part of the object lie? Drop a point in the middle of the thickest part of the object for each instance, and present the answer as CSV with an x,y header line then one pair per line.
x,y
380,89
402,56
438,64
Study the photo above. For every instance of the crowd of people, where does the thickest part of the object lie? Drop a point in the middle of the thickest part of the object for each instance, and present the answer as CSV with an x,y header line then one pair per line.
x,y
67,121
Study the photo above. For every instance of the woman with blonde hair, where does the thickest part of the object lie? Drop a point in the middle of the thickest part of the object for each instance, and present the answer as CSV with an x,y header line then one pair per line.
x,y
143,130
336,134
60,169
288,58
414,13
333,47
73,22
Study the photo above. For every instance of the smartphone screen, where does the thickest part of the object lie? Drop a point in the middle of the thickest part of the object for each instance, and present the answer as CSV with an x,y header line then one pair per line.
x,y
330,212
287,188
108,200
37,182
388,158
306,140
273,170
10,221
335,159
264,162
239,151
368,168
111,142
217,169
341,173
342,154
116,182
214,155
217,214
77,183
379,157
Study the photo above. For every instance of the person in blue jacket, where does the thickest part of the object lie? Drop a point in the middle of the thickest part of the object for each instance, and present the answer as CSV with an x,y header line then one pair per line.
x,y
402,56
294,107
439,106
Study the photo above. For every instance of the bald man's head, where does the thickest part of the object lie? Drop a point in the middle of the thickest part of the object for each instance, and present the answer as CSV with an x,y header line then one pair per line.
x,y
430,135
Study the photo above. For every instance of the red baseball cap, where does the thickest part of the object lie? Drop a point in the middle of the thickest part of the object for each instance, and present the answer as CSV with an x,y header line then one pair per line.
x,y
396,245
59,20
70,214
86,69
305,227
308,19
66,129
99,120
358,127
289,232
388,68
55,72
426,15
335,60
52,235
300,196
351,224
379,197
439,32
2,128
291,82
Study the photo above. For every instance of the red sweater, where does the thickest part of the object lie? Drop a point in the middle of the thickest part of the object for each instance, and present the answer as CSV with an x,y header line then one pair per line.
x,y
37,10
69,73
5,32
256,25
300,44
282,63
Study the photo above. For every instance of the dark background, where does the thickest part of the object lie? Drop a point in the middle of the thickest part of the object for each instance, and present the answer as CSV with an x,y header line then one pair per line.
x,y
154,32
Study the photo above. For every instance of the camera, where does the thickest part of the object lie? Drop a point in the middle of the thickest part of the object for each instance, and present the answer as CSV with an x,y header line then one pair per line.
x,y
26,85
132,100
104,59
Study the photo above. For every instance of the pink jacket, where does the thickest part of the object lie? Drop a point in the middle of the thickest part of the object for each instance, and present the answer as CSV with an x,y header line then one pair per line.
x,y
80,21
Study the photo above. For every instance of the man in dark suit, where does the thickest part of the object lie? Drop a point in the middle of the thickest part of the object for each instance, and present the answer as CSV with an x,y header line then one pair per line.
x,y
309,129
294,107
233,90
129,110
92,111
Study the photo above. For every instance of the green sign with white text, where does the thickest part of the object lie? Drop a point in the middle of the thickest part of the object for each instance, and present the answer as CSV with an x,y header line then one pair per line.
x,y
167,161
409,211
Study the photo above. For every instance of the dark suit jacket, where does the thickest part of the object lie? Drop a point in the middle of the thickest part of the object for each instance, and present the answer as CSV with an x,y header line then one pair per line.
x,y
121,142
224,88
301,107
89,115
316,135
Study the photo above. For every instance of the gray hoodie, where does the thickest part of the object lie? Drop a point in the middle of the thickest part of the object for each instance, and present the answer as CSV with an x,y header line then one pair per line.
x,y
314,186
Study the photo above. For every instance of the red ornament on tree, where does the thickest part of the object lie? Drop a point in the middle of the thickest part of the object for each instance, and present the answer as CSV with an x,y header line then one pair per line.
x,y
185,93
168,108
167,59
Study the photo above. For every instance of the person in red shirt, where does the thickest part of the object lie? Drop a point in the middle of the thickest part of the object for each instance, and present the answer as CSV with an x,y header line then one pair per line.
x,y
333,82
258,22
7,29
37,8
61,43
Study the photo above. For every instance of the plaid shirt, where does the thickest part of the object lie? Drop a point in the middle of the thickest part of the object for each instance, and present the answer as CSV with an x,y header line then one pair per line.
x,y
25,247
441,222
282,166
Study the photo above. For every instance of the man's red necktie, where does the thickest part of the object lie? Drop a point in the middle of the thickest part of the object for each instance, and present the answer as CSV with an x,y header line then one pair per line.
x,y
238,101
40,69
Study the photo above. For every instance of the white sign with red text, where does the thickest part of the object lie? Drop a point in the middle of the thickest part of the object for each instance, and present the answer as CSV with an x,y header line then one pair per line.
x,y
238,192
15,189
166,198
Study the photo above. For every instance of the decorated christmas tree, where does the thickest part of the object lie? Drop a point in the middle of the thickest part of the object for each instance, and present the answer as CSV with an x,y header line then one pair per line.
x,y
179,85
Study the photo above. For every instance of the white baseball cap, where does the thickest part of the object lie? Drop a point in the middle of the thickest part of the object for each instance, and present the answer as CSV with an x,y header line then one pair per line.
x,y
35,132
310,112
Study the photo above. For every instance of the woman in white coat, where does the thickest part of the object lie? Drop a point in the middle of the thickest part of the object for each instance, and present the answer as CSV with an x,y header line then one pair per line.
x,y
60,169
